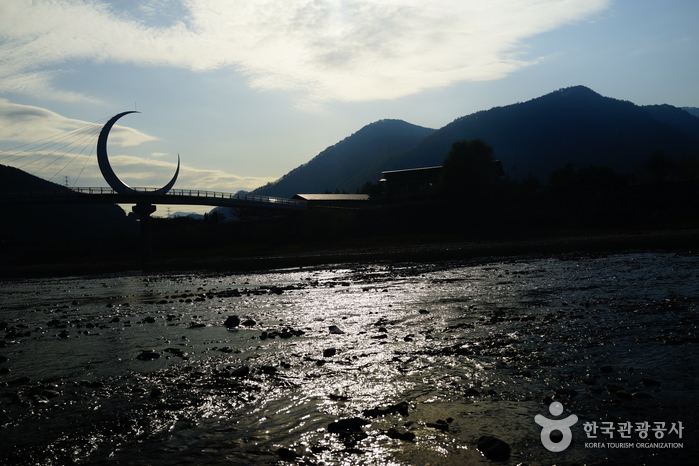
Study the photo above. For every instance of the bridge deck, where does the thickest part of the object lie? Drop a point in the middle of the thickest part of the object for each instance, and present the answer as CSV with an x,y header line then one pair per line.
x,y
174,196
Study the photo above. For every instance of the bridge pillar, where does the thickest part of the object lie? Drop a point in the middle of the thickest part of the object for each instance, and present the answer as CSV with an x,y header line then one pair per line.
x,y
144,210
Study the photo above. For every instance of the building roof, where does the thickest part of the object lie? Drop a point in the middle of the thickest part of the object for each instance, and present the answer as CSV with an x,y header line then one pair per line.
x,y
332,197
412,169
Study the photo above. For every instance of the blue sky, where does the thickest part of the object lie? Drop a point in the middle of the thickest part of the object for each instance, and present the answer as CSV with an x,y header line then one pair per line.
x,y
247,90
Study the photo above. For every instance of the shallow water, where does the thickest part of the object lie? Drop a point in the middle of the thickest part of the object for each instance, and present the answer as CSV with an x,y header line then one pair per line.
x,y
473,349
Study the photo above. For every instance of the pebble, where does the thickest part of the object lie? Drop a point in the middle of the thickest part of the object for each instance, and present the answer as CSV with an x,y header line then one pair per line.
x,y
335,330
350,425
329,352
287,454
440,425
400,435
242,371
232,321
401,408
148,355
649,382
493,448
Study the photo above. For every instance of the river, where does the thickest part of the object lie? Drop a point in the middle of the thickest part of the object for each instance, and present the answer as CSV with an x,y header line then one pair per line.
x,y
423,358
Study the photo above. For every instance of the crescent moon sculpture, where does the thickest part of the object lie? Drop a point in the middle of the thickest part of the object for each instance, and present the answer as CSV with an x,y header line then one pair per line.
x,y
106,168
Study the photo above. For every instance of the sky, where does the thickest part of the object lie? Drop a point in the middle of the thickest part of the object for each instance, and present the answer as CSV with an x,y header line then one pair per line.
x,y
247,90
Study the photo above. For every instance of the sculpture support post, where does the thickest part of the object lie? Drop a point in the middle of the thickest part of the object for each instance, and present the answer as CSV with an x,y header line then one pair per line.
x,y
144,210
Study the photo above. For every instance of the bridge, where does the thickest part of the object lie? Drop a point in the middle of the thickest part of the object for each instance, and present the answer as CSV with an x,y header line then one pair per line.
x,y
61,195
143,198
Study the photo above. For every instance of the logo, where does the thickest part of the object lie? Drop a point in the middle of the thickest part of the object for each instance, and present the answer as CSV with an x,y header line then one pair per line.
x,y
561,425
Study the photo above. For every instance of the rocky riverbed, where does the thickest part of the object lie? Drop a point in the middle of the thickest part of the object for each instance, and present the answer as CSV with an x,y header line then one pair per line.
x,y
380,364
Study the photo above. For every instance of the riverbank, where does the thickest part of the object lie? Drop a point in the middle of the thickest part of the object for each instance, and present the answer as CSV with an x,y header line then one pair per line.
x,y
402,249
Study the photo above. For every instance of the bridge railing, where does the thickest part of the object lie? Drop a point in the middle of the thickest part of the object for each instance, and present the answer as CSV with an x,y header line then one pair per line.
x,y
61,191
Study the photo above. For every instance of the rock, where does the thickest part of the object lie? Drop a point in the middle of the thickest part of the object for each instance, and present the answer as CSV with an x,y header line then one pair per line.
x,y
401,408
287,454
329,352
606,369
20,381
472,392
400,435
50,393
249,323
3,358
649,382
149,320
351,425
440,424
493,448
148,355
624,394
335,330
232,321
242,371
269,370
4,370
423,311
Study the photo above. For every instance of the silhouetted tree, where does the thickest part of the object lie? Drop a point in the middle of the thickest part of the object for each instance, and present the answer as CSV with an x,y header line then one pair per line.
x,y
469,165
658,166
687,168
568,178
562,179
374,190
531,183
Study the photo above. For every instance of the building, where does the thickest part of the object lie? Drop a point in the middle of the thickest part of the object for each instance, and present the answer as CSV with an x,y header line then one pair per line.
x,y
334,200
413,181
418,181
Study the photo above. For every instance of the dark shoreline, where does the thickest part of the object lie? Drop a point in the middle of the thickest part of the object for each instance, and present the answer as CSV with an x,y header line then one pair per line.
x,y
684,240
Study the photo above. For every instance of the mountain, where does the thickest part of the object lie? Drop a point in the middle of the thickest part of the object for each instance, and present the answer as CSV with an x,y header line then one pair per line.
x,y
56,220
692,110
343,165
192,215
574,124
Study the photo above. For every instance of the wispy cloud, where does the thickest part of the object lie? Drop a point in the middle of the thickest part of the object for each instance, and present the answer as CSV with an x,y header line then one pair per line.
x,y
82,170
348,50
60,147
29,124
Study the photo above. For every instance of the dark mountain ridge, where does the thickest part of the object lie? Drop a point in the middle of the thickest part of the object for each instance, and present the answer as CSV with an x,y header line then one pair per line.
x,y
343,165
575,125
32,222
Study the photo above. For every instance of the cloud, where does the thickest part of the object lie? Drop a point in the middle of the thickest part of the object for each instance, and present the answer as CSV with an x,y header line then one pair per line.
x,y
83,171
59,146
350,50
151,173
28,124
